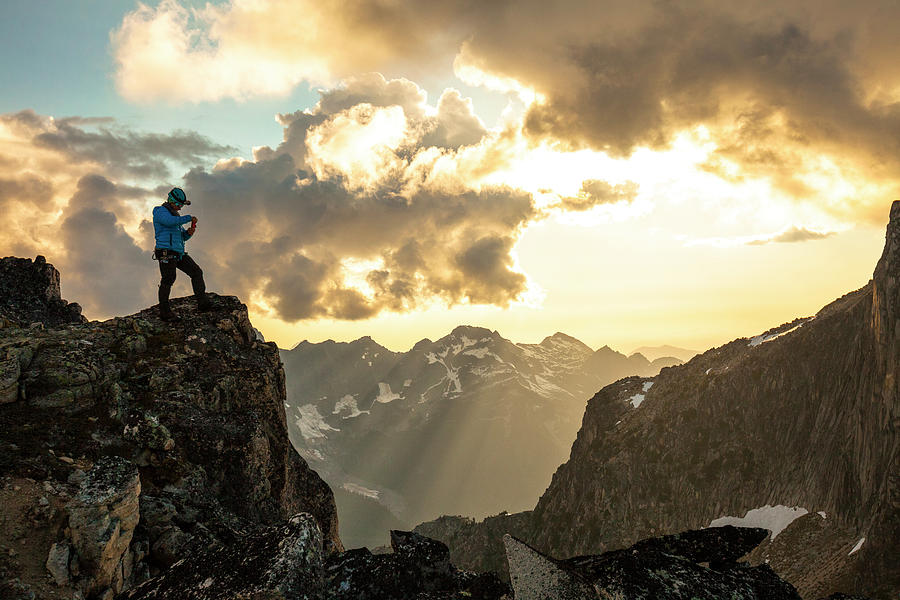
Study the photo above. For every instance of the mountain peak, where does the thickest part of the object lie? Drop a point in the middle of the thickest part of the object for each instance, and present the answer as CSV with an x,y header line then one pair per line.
x,y
561,340
607,351
472,331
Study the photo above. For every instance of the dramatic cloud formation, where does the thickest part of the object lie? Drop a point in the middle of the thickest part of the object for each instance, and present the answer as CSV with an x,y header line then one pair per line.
x,y
59,197
247,48
800,94
372,202
350,215
121,152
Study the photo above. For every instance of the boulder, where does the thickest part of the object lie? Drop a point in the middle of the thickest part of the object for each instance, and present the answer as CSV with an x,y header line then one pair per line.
x,y
537,577
58,563
102,518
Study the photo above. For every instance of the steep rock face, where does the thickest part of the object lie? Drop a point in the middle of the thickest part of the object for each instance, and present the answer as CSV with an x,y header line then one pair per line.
x,y
806,414
469,424
29,293
196,408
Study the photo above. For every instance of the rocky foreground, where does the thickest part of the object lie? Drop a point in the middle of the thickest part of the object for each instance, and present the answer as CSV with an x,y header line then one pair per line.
x,y
130,444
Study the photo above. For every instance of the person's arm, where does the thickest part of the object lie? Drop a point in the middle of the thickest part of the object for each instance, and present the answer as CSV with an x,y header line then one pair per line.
x,y
186,234
168,219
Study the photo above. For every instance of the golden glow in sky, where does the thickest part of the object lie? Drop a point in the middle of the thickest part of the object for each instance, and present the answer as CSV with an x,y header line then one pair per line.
x,y
660,175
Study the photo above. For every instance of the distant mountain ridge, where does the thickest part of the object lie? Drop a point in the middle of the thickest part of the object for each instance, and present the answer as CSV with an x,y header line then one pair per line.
x,y
654,352
804,415
470,423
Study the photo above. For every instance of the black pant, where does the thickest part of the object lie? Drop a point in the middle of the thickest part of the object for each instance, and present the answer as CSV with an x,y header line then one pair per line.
x,y
167,270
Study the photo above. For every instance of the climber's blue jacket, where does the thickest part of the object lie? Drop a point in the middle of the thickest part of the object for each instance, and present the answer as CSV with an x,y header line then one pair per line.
x,y
169,233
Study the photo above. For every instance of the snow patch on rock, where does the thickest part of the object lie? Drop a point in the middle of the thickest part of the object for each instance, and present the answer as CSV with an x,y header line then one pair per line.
x,y
311,423
385,394
773,518
355,488
763,338
348,404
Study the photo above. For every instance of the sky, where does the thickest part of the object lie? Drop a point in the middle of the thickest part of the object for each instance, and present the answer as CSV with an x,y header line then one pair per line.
x,y
628,173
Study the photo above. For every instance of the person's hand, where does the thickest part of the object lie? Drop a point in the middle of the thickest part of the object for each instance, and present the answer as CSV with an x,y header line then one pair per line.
x,y
192,229
193,222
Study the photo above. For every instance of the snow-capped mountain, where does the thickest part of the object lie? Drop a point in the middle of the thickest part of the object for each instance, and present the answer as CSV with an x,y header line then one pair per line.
x,y
469,424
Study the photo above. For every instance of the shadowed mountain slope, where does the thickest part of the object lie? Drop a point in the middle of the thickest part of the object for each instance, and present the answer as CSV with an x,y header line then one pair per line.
x,y
471,423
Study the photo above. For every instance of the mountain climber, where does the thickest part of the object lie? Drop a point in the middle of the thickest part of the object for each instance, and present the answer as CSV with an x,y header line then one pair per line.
x,y
170,239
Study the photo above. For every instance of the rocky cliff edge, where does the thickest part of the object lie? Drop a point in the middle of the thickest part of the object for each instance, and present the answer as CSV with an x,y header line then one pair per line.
x,y
130,444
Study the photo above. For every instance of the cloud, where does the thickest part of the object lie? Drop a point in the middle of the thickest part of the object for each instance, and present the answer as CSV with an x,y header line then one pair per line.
x,y
374,201
781,88
300,240
249,48
368,204
103,267
784,98
594,192
120,152
67,190
792,235
788,235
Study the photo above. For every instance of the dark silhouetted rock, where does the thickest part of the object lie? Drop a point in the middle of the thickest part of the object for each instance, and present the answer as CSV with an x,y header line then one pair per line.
x,y
418,567
29,293
661,568
274,563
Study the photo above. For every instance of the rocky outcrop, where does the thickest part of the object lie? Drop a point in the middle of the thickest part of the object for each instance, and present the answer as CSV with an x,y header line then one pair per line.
x,y
287,563
29,293
478,545
692,565
418,567
806,414
277,563
140,442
